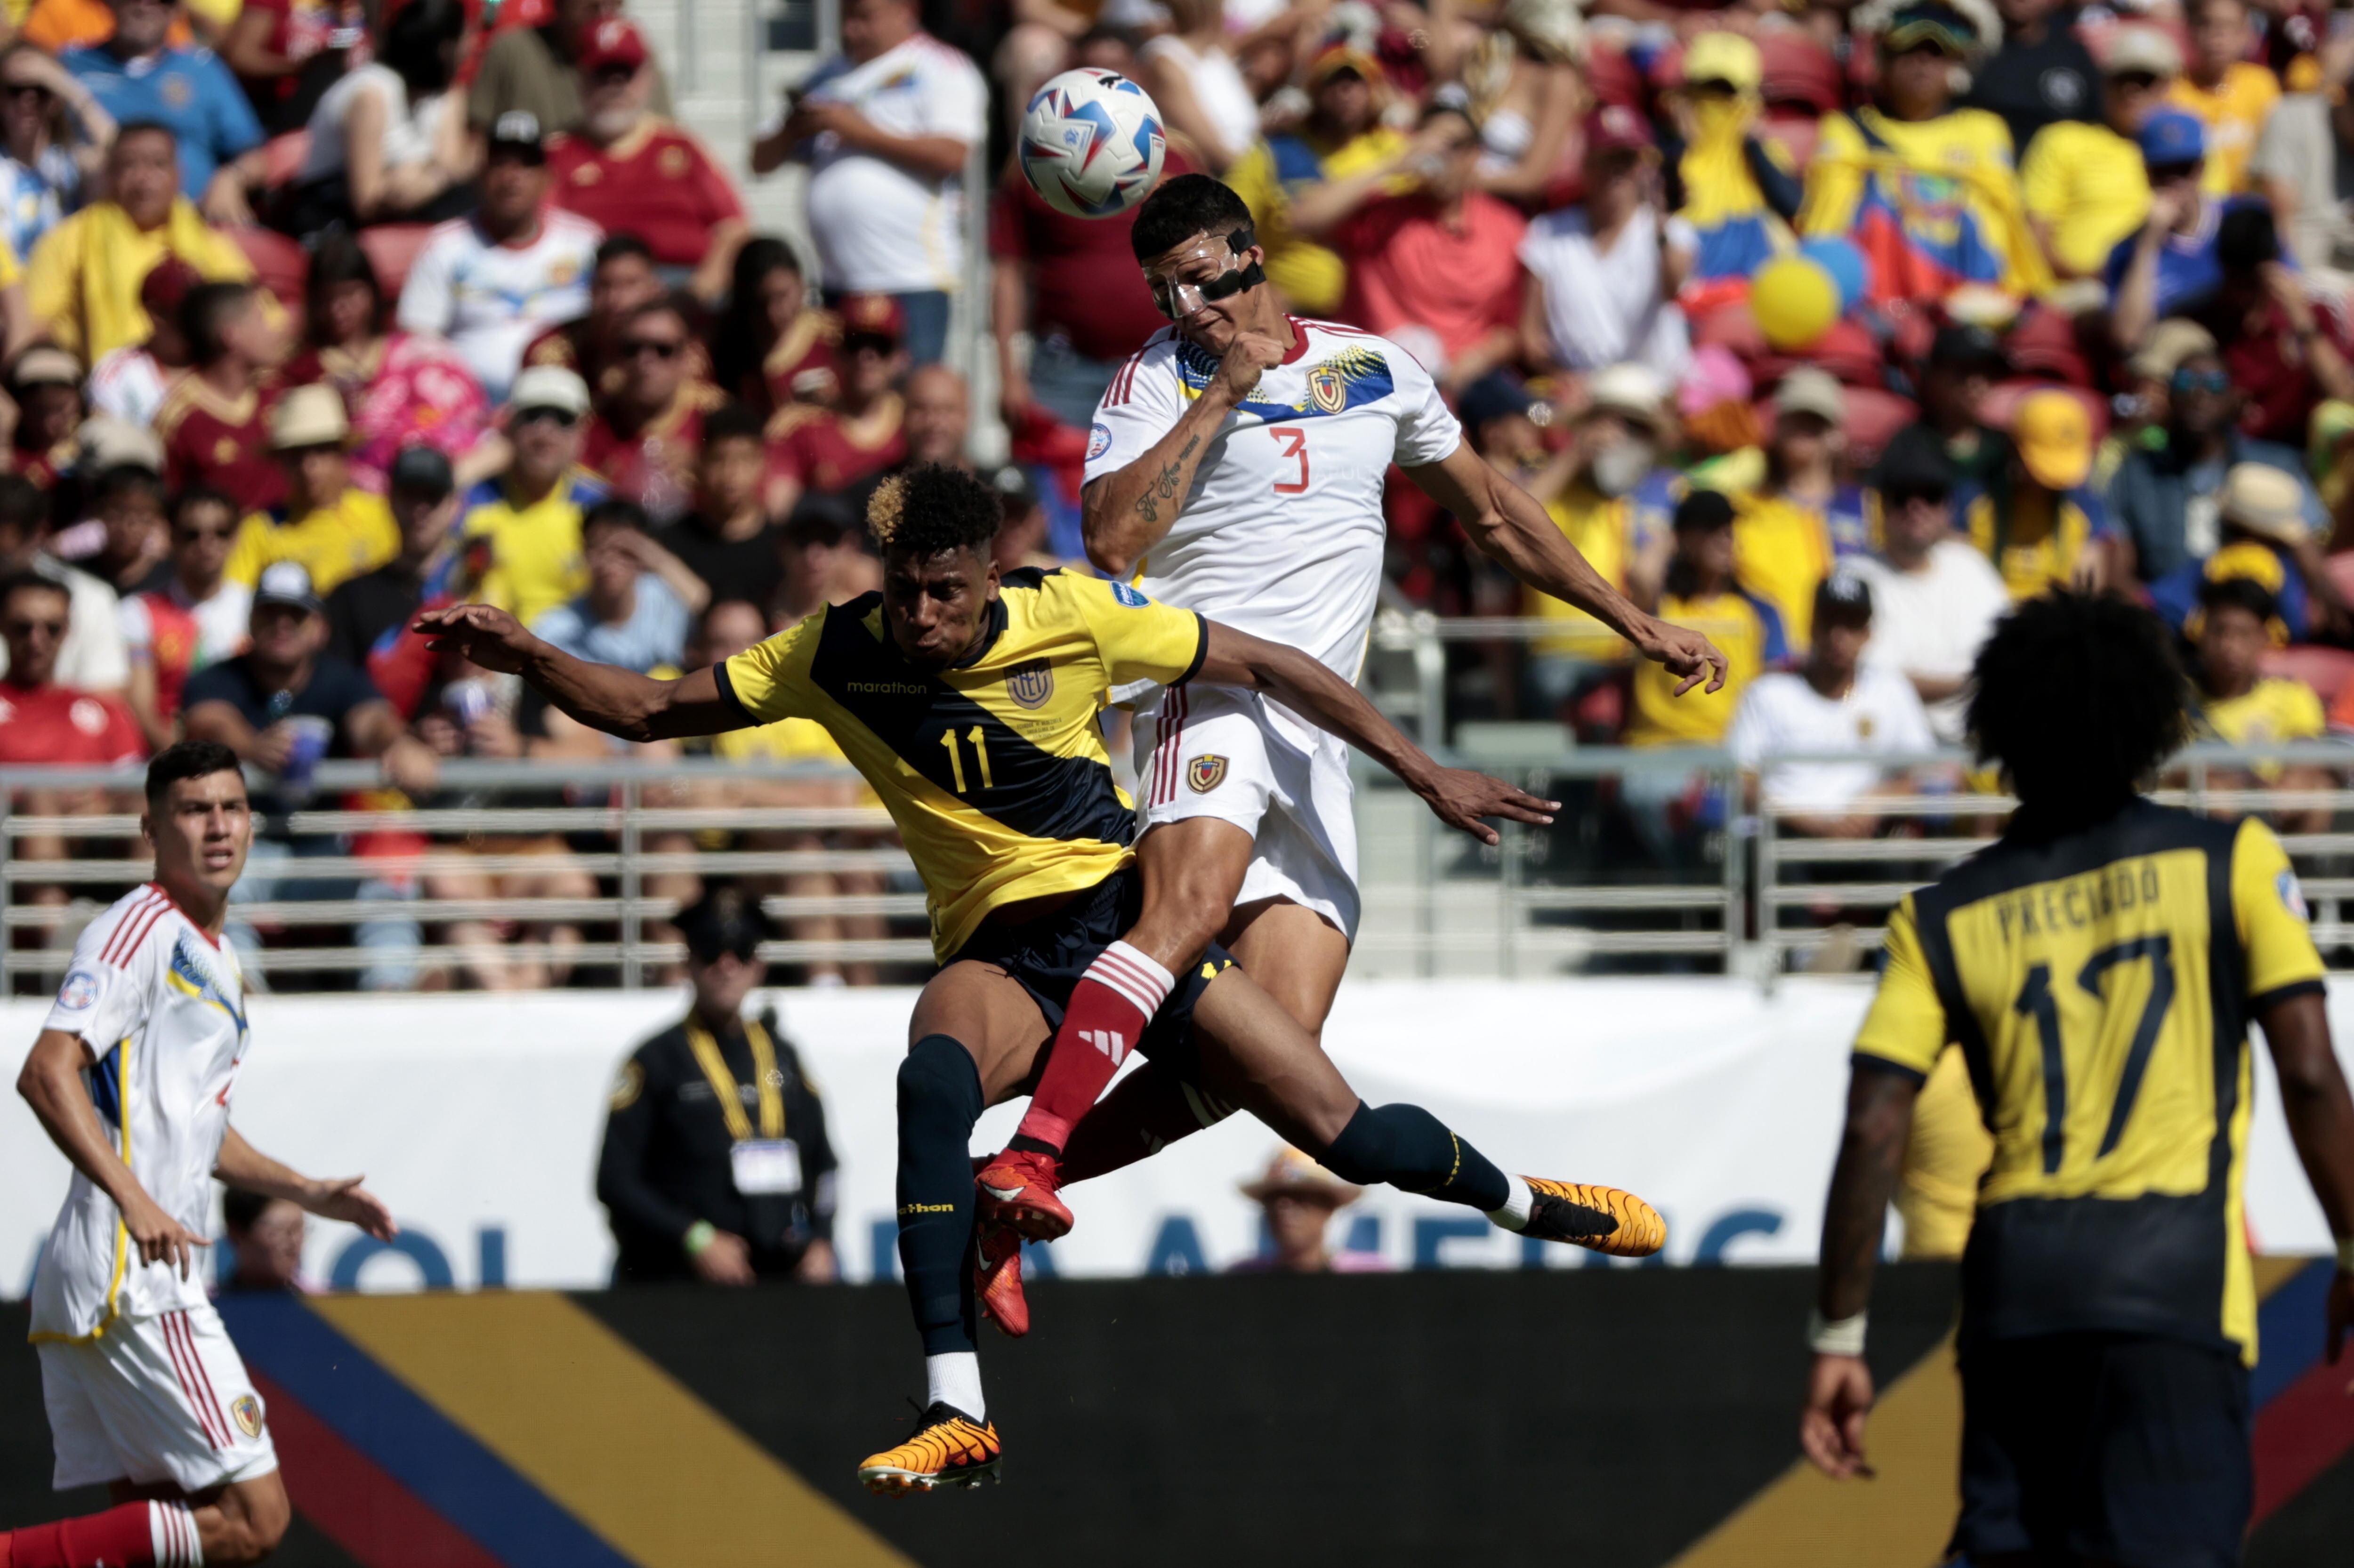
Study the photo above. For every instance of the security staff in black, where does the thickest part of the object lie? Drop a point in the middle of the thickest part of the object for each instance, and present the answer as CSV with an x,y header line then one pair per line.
x,y
717,1165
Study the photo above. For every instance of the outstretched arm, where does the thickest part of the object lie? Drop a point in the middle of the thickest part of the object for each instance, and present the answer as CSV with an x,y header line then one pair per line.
x,y
1459,797
337,1198
51,1084
602,696
2321,1123
1508,524
1871,1155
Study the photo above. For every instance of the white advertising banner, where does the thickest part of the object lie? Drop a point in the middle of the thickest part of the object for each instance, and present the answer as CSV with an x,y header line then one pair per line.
x,y
478,1118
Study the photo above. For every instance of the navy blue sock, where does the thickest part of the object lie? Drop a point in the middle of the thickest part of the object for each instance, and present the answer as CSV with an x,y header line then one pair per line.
x,y
939,1100
1412,1149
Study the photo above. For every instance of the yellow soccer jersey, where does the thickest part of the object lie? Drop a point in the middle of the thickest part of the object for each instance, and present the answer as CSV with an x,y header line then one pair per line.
x,y
995,771
2100,987
333,544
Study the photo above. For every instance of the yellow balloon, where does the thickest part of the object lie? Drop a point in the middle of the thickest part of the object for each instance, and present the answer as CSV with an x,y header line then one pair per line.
x,y
1794,300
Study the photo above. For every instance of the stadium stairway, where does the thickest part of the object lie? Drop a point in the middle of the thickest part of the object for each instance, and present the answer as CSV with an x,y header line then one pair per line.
x,y
1613,1418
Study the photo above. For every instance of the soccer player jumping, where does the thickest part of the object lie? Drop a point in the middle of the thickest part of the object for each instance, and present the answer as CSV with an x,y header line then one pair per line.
x,y
2099,967
970,701
1235,467
131,1076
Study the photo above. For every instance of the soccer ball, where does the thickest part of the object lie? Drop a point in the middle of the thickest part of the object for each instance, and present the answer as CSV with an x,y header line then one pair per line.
x,y
1091,143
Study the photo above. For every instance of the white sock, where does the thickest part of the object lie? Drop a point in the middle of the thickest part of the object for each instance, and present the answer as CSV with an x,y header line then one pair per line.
x,y
1514,1214
955,1379
171,1536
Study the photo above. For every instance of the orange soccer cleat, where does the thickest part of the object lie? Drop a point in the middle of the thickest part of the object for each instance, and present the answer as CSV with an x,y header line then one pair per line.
x,y
997,1280
1017,1188
948,1447
1601,1218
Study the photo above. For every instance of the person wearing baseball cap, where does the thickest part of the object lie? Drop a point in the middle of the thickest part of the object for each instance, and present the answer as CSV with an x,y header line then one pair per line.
x,y
628,172
334,529
2044,528
46,384
2085,182
2171,266
1804,516
525,524
1738,196
1341,156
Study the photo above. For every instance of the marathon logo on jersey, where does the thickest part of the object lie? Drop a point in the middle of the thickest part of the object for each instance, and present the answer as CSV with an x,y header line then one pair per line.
x,y
1128,596
247,1409
2292,897
1099,441
1205,773
1030,684
78,991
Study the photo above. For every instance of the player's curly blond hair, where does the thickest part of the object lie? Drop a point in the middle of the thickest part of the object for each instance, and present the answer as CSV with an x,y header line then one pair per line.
x,y
930,509
883,507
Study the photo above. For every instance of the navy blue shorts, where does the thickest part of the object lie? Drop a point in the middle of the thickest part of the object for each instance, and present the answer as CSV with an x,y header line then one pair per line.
x,y
1047,956
2124,1448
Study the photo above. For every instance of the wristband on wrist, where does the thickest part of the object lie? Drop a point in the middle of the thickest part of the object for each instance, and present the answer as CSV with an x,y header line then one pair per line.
x,y
2345,1254
699,1235
1844,1338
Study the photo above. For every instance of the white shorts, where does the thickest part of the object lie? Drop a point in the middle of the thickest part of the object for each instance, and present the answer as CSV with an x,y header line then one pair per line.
x,y
1216,751
156,1399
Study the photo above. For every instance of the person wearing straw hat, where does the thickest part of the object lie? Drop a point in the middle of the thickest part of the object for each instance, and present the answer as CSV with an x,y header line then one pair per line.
x,y
1297,1198
2042,528
2264,534
334,529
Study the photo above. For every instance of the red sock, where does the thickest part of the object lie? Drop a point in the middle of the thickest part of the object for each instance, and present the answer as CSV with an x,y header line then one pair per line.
x,y
121,1537
1145,1112
1109,1009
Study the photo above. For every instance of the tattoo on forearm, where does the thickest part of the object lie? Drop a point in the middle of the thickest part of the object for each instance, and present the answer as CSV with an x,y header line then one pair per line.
x,y
1148,505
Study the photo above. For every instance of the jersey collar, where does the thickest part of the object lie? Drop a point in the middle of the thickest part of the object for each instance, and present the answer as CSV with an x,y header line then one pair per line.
x,y
997,620
1299,340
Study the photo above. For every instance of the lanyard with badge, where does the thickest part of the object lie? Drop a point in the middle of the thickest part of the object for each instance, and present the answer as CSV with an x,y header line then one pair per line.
x,y
768,1165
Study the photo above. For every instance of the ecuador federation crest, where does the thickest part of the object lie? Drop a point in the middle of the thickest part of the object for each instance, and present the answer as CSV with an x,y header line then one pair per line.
x,y
1205,773
1030,683
1327,389
247,1410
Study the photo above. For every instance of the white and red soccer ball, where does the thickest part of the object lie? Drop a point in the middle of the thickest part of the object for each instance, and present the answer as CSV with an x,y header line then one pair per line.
x,y
1091,143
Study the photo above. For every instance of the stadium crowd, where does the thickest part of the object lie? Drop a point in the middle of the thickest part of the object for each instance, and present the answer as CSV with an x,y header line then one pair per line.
x,y
1829,330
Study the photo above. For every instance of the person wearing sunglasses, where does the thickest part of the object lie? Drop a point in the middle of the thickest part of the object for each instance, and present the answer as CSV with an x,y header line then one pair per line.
x,y
42,719
197,619
646,436
525,525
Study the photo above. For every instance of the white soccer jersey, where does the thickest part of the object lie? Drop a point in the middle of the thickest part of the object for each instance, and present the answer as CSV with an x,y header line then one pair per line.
x,y
491,300
163,1009
1281,535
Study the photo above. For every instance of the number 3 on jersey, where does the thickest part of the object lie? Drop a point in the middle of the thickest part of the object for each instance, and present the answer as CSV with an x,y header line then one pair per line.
x,y
1295,445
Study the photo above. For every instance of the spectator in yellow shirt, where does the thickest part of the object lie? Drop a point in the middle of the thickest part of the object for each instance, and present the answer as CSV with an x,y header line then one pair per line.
x,y
2232,95
1787,534
335,530
526,525
2038,522
1299,183
2237,623
81,284
2084,184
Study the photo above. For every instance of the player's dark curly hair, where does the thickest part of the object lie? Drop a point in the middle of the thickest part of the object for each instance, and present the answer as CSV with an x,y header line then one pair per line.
x,y
930,509
2079,698
1183,207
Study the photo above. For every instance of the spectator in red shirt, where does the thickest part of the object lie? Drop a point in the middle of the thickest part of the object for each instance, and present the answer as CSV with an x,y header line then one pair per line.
x,y
822,451
644,437
626,169
41,721
288,52
623,280
1072,285
213,422
1436,270
2286,349
46,384
774,345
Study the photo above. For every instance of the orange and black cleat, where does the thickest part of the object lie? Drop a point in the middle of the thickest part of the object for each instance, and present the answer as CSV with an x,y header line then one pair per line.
x,y
1017,1188
1601,1218
997,1280
948,1448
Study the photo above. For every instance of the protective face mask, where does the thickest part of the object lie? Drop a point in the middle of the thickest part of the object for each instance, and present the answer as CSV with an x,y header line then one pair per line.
x,y
1178,298
1617,469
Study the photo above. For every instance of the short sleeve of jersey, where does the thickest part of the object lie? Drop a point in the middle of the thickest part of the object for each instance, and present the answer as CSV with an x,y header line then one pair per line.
x,y
1138,408
770,680
100,1002
1136,638
1428,431
2269,909
1906,1026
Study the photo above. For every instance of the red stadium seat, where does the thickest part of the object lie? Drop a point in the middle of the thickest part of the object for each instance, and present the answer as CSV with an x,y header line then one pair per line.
x,y
283,158
1873,418
2002,404
1847,351
1731,328
393,248
1800,71
1797,133
2341,571
279,265
2043,344
2326,670
1612,77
